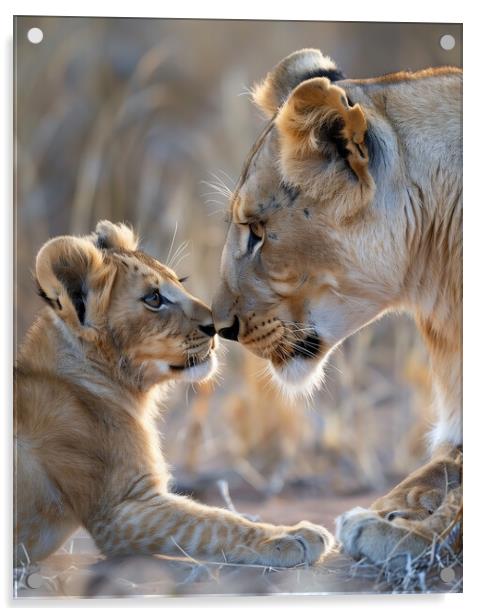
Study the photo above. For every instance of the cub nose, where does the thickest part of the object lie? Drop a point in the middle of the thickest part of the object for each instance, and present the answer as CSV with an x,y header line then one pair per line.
x,y
209,330
231,332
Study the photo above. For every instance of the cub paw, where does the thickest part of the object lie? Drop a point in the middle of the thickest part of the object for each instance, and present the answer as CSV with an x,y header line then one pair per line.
x,y
304,543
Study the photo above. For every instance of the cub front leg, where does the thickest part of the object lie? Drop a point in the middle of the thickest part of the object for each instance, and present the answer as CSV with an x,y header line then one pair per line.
x,y
407,519
171,524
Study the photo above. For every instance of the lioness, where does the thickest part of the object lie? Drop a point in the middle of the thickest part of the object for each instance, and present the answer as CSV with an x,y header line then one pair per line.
x,y
349,206
119,325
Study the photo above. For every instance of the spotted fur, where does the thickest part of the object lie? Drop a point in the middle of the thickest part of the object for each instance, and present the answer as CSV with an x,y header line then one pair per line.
x,y
87,386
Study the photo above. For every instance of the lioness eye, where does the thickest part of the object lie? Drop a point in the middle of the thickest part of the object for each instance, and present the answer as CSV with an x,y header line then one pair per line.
x,y
154,300
255,235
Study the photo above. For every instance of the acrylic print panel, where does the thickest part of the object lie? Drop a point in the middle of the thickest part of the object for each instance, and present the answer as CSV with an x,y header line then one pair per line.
x,y
335,195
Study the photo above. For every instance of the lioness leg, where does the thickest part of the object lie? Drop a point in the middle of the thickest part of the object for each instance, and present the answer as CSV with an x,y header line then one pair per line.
x,y
170,524
407,518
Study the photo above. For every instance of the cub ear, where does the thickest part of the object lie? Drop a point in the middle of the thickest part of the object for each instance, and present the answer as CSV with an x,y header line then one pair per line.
x,y
108,235
67,270
317,119
270,94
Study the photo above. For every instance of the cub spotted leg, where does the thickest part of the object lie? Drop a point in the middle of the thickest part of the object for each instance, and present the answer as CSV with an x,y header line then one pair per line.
x,y
407,519
171,524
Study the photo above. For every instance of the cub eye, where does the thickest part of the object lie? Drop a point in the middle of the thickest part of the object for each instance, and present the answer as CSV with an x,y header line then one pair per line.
x,y
255,235
154,300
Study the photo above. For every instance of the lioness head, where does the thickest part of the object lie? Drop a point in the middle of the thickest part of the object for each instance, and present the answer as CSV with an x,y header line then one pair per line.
x,y
126,306
314,246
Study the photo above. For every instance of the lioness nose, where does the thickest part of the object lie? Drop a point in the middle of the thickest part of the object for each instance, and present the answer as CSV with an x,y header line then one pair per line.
x,y
232,331
209,330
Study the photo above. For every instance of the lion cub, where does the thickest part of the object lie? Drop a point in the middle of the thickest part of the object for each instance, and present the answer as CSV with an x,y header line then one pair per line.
x,y
117,326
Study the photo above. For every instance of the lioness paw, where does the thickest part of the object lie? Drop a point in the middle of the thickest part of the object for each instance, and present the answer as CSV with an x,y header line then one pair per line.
x,y
363,533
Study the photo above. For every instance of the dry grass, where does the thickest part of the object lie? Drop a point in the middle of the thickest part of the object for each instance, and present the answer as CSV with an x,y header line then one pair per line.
x,y
144,121
77,570
437,568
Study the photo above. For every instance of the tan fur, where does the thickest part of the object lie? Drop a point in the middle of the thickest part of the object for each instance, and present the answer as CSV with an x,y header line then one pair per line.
x,y
275,88
350,204
86,394
313,103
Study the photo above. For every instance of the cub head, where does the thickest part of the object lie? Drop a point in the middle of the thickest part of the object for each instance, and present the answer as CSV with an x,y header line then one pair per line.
x,y
310,255
126,307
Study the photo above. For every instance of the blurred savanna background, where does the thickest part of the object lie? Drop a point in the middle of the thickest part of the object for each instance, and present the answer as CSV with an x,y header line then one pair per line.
x,y
148,121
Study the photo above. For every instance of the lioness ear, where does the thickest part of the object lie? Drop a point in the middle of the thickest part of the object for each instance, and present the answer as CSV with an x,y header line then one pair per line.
x,y
270,94
317,119
67,269
111,236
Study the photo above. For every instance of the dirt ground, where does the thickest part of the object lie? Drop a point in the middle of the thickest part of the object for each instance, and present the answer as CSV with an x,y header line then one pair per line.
x,y
78,570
